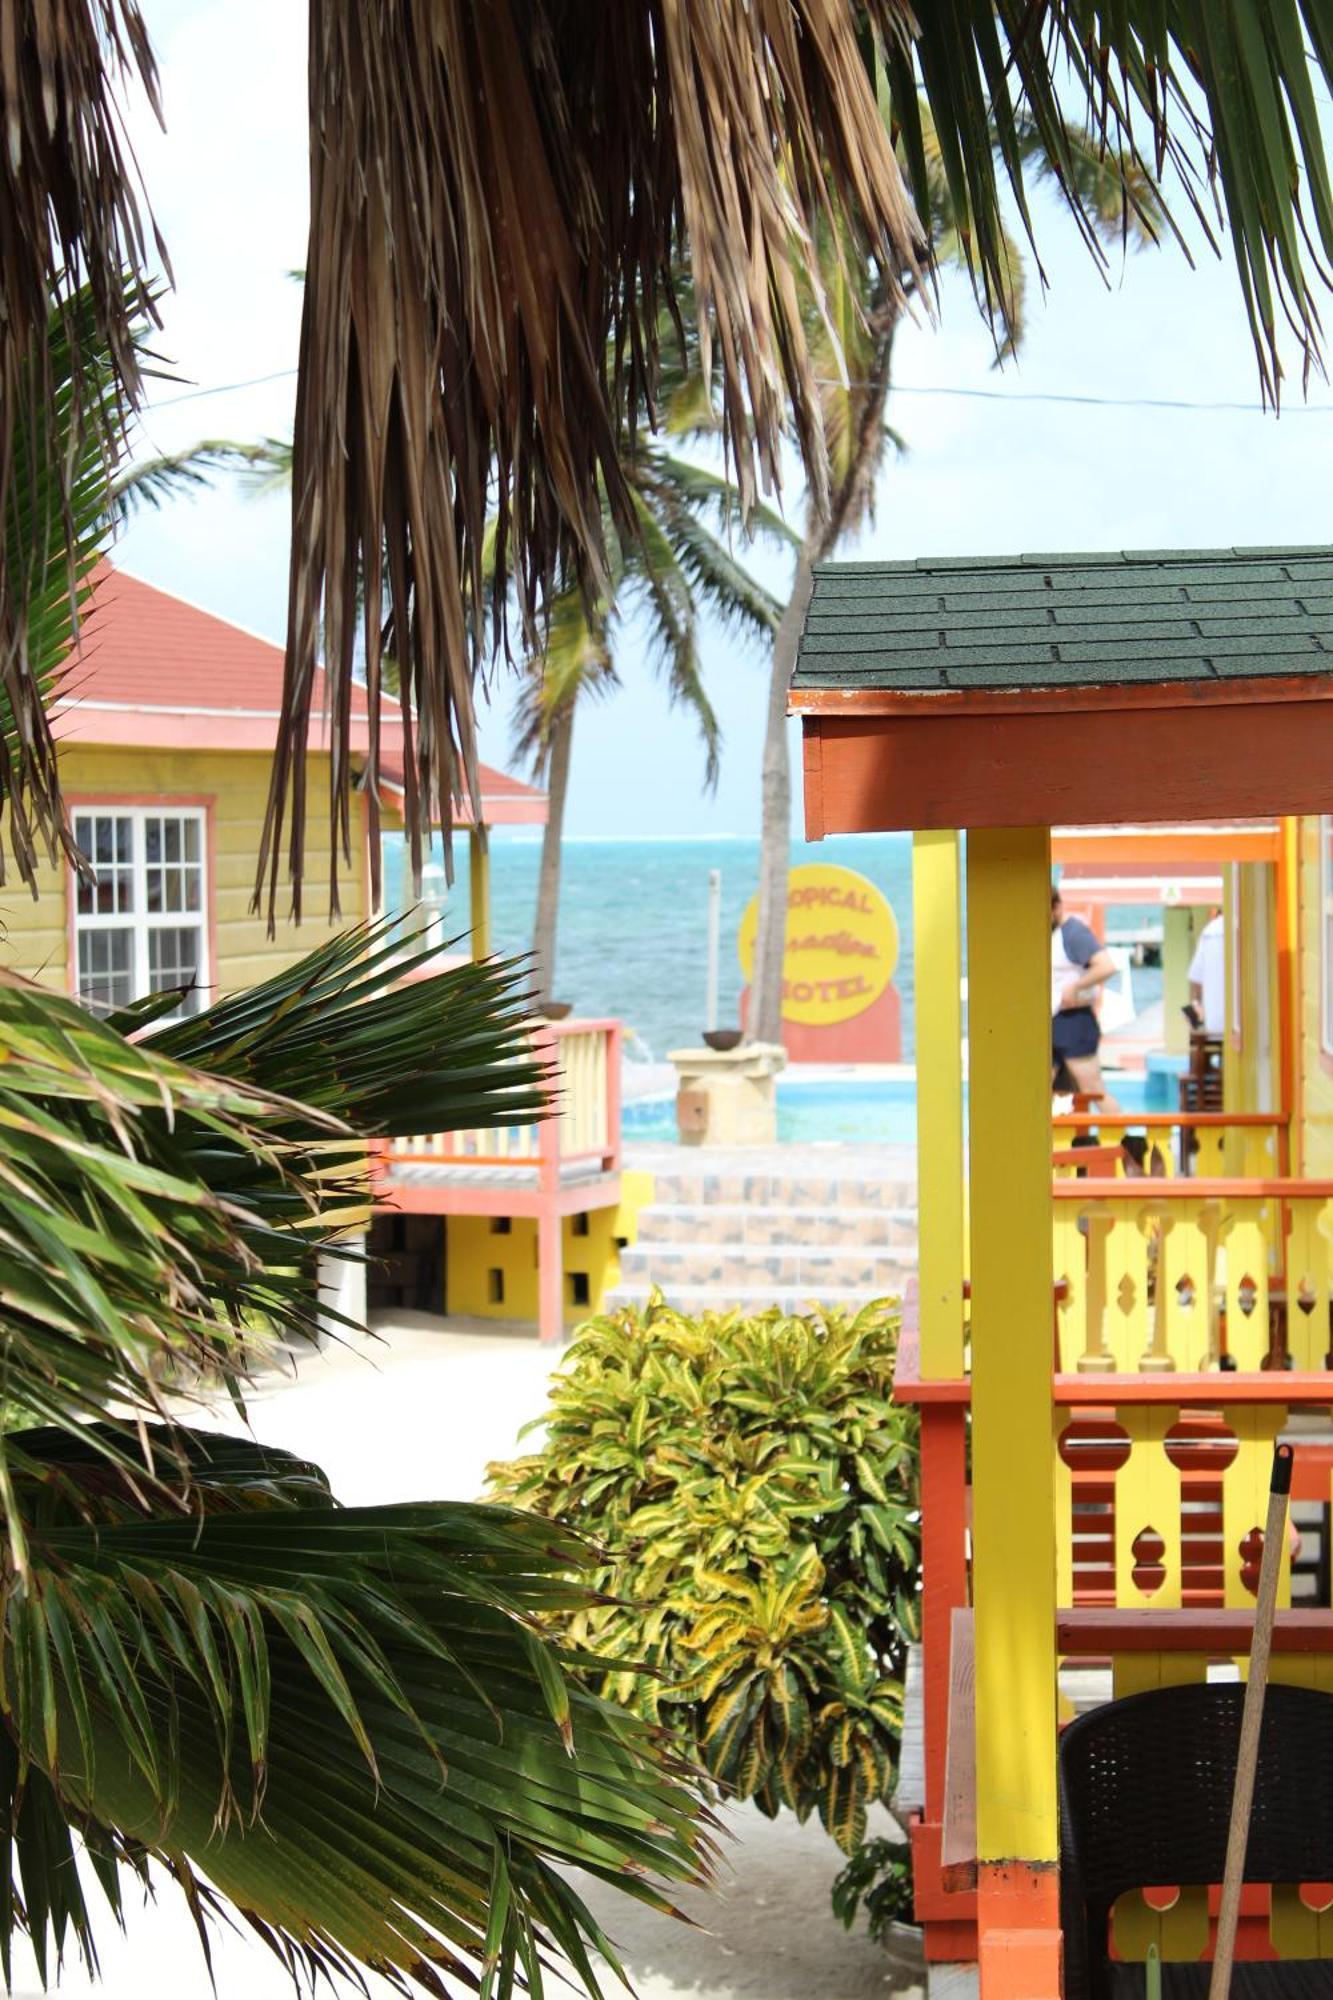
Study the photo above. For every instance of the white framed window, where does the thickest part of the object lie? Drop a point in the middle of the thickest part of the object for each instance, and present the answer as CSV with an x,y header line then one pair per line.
x,y
1326,933
142,926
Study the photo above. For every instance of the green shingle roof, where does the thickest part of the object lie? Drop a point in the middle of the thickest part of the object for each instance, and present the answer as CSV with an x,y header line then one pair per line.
x,y
1025,622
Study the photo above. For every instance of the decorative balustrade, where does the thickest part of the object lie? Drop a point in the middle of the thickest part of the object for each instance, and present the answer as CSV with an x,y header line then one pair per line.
x,y
1164,1275
584,1059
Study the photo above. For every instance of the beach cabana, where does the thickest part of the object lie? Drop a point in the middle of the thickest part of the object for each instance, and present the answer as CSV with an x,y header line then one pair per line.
x,y
1142,1341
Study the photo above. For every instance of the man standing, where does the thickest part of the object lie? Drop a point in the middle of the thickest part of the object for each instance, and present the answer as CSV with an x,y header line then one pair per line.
x,y
1079,966
1208,975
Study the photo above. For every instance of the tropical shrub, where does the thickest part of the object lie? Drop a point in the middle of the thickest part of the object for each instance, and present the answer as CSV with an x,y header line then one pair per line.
x,y
751,1486
879,1878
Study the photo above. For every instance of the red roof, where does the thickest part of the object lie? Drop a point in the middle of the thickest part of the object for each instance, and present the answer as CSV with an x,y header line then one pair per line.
x,y
152,672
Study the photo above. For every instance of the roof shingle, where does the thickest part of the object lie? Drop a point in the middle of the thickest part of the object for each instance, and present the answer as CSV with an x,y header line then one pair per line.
x,y
1018,623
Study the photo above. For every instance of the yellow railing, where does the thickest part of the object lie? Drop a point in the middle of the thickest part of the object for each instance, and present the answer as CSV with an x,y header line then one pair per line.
x,y
1156,1276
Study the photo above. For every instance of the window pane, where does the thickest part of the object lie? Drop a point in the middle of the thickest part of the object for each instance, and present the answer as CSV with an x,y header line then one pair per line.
x,y
168,884
173,960
106,961
107,839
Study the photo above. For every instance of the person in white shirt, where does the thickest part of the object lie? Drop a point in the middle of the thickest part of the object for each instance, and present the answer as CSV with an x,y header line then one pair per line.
x,y
1208,975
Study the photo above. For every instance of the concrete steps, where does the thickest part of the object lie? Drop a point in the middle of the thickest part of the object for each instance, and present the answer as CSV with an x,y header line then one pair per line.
x,y
716,1239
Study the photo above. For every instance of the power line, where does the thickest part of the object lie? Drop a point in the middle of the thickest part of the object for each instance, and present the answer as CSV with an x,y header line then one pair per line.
x,y
1093,402
223,389
1050,396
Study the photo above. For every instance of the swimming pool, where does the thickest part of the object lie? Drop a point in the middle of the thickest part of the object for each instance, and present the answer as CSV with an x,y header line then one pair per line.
x,y
851,1110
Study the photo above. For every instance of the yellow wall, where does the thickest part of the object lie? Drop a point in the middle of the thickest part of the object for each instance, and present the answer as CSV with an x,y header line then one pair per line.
x,y
483,1258
1316,1081
35,939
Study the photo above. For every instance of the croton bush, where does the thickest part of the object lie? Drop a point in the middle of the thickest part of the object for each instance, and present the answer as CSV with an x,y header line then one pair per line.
x,y
752,1488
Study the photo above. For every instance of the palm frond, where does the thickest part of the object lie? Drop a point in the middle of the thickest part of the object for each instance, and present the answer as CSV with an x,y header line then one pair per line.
x,y
681,494
569,144
73,285
53,521
346,1716
150,483
573,665
1183,103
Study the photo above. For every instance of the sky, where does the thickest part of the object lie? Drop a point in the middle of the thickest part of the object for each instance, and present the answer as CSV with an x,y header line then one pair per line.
x,y
995,462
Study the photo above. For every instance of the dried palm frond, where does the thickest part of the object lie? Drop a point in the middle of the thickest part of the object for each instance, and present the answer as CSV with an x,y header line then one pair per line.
x,y
498,191
74,248
497,196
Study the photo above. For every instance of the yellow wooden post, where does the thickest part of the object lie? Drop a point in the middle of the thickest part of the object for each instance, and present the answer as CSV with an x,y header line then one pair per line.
x,y
1233,1086
937,971
1013,1480
479,887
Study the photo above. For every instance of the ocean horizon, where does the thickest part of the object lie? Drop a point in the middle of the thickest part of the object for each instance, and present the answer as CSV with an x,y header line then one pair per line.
x,y
633,936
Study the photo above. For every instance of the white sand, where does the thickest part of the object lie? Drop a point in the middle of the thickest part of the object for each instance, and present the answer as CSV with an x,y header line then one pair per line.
x,y
420,1415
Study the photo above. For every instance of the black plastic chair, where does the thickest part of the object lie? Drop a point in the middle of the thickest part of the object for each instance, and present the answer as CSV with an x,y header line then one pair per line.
x,y
1145,1799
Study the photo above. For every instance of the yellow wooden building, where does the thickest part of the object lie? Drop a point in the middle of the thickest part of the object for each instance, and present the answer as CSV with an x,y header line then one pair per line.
x,y
166,719
1102,1356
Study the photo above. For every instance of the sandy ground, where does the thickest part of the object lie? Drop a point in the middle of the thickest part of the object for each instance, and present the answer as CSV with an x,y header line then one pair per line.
x,y
422,1413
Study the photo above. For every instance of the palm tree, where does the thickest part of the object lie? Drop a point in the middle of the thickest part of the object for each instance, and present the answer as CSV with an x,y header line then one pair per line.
x,y
480,310
853,324
675,564
350,1719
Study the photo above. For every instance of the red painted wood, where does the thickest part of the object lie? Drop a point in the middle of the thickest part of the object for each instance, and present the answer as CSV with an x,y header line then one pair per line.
x,y
942,766
1087,1632
943,1577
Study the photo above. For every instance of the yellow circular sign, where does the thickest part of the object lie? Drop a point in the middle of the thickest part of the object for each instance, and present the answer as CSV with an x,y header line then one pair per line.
x,y
842,944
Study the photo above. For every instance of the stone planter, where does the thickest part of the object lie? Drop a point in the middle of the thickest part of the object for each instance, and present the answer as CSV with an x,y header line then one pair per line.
x,y
728,1097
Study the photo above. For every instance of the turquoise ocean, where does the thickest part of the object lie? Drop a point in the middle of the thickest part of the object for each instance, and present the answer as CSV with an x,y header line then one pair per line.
x,y
633,937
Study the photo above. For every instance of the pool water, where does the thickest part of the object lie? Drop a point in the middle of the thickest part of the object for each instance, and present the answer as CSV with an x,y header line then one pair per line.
x,y
853,1110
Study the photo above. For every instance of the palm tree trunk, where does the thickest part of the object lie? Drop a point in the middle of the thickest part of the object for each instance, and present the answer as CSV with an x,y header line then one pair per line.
x,y
764,1017
849,506
561,741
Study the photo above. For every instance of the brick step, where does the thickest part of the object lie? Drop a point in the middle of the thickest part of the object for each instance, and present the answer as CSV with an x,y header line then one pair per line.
x,y
815,1267
728,1188
864,1229
694,1298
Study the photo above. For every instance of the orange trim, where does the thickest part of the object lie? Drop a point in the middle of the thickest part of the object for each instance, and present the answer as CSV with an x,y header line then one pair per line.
x,y
1104,699
1162,849
944,767
205,802
1185,1121
1296,1387
1189,1188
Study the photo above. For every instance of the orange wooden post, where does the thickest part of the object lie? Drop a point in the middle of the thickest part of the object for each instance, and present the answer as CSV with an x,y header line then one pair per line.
x,y
943,1577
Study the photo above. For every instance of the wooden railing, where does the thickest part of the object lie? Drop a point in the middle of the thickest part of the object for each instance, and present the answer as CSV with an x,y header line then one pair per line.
x,y
584,1058
1159,1276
